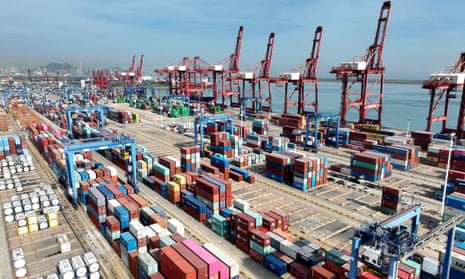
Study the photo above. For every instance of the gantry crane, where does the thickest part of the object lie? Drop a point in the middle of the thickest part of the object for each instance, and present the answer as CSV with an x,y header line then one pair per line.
x,y
367,72
223,72
442,86
299,76
258,78
199,125
391,240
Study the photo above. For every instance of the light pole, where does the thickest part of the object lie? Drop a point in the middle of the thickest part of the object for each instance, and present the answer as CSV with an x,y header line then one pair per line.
x,y
408,128
452,135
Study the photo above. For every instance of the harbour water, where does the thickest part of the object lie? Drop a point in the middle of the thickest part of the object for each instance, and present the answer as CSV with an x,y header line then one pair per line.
x,y
405,105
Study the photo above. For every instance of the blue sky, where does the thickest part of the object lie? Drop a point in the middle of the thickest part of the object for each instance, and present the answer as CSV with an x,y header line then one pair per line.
x,y
423,37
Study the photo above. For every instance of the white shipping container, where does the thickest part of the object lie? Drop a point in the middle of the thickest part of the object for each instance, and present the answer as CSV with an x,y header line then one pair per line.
x,y
457,261
137,229
175,226
147,263
430,266
243,205
289,248
65,245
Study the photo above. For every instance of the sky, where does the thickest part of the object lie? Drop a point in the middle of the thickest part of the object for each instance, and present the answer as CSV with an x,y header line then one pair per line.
x,y
423,36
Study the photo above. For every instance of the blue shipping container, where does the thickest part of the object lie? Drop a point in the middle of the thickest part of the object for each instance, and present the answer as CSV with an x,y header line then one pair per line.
x,y
455,202
128,241
275,265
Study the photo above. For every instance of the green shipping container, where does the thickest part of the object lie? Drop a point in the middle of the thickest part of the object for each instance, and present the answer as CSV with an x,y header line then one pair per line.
x,y
365,165
264,251
336,257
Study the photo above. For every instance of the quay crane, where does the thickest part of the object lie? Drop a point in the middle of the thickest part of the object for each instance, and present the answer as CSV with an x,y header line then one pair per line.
x,y
368,72
441,86
224,81
257,78
301,75
389,241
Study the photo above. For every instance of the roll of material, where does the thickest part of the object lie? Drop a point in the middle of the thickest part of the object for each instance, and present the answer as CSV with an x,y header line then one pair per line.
x,y
20,273
79,267
91,262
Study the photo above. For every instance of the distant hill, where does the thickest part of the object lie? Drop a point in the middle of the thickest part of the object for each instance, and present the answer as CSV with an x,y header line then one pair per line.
x,y
57,67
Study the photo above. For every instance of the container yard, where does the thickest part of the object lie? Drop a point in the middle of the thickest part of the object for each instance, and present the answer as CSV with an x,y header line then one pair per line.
x,y
108,179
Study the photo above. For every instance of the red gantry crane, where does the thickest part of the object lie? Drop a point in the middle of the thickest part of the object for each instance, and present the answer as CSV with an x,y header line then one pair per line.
x,y
258,77
442,86
366,71
224,81
299,76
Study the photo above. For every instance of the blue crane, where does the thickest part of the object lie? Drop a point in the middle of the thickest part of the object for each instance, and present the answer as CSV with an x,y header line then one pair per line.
x,y
390,240
67,90
256,105
15,91
200,122
70,110
72,146
317,117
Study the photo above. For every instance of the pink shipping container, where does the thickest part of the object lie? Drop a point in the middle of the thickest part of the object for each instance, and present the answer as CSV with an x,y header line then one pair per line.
x,y
214,265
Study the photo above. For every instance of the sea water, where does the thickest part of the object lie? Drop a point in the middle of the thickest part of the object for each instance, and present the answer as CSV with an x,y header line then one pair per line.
x,y
405,105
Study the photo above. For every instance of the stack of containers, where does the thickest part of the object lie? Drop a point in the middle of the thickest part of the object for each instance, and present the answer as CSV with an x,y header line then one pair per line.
x,y
236,145
220,225
281,219
97,207
174,192
221,163
241,224
335,260
220,143
140,234
457,171
128,244
310,172
293,126
173,265
344,135
415,266
113,229
357,138
216,268
255,141
190,158
390,199
279,143
199,265
147,266
260,126
405,272
233,266
209,193
277,167
195,208
122,215
403,157
171,163
372,166
142,170
260,245
19,262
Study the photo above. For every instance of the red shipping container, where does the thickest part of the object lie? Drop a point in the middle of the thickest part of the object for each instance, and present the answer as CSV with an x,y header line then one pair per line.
x,y
299,270
367,275
154,241
173,265
156,219
117,247
200,266
319,272
112,223
157,275
133,265
256,256
260,238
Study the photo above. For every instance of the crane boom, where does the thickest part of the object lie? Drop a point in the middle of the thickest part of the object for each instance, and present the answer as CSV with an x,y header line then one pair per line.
x,y
235,57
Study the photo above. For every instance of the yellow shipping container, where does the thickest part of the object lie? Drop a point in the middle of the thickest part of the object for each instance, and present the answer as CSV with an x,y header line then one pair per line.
x,y
32,220
33,227
173,186
181,180
142,165
23,231
53,223
52,215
